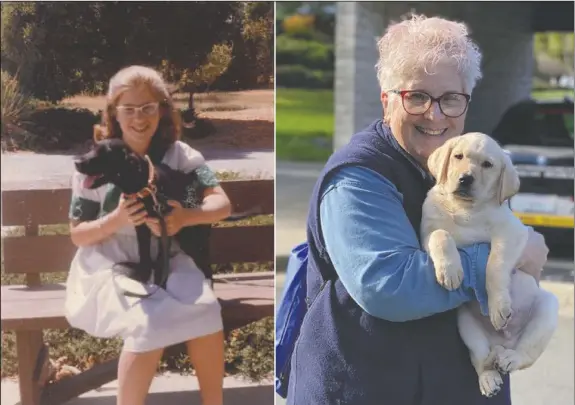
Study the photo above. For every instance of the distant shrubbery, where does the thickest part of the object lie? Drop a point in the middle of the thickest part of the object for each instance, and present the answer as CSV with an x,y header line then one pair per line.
x,y
305,51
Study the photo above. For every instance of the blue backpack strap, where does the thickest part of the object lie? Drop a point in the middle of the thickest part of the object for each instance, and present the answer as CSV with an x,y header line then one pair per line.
x,y
291,310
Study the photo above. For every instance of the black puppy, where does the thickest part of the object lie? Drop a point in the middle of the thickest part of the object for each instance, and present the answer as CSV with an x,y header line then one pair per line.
x,y
111,161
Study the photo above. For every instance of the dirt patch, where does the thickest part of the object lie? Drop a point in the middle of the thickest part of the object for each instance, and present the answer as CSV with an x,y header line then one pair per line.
x,y
237,133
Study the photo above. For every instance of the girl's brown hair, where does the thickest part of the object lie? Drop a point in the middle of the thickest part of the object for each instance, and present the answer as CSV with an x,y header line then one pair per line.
x,y
169,127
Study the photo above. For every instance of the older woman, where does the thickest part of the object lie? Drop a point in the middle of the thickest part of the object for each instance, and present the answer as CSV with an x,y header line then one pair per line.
x,y
140,111
379,329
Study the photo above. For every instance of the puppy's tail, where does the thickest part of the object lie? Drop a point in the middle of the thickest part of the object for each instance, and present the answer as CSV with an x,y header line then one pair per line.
x,y
237,216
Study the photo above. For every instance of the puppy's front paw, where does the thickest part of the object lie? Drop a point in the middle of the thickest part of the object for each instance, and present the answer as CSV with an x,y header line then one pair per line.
x,y
490,382
500,311
449,275
508,361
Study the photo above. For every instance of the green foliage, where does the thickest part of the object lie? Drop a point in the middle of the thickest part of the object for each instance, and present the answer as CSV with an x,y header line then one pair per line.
x,y
305,50
16,106
250,350
554,44
308,53
62,49
252,36
61,128
216,64
300,77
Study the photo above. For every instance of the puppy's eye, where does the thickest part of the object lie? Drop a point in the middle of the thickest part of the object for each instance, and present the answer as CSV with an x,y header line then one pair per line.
x,y
459,156
486,164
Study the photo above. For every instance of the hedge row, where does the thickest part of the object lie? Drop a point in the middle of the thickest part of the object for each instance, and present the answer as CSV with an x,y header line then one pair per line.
x,y
298,76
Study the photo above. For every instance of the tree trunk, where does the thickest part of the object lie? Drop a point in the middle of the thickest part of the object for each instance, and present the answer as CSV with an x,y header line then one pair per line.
x,y
191,102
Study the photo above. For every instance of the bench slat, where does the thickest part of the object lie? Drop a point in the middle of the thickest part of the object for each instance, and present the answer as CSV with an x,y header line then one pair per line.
x,y
53,253
50,206
42,307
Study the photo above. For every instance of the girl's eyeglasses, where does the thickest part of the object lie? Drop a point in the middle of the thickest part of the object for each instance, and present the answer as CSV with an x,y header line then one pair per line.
x,y
129,111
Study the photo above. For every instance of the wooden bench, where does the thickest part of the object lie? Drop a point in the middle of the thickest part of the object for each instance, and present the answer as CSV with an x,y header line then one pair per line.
x,y
29,309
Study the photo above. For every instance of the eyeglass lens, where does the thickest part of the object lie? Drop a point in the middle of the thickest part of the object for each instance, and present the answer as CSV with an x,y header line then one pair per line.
x,y
451,104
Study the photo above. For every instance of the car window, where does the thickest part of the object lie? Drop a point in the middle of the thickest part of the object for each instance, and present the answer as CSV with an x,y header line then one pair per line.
x,y
555,126
537,124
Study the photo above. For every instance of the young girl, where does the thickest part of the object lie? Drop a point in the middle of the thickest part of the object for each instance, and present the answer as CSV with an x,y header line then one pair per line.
x,y
139,110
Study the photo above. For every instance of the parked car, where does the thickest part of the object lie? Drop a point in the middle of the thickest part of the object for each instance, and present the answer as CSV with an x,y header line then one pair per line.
x,y
538,135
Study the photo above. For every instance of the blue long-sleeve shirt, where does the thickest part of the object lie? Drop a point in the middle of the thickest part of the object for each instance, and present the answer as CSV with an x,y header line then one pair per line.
x,y
377,256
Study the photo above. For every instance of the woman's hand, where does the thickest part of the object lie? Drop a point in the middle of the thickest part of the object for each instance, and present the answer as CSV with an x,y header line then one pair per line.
x,y
174,220
130,211
534,255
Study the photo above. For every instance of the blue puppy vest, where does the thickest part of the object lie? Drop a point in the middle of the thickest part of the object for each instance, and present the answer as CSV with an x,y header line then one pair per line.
x,y
345,356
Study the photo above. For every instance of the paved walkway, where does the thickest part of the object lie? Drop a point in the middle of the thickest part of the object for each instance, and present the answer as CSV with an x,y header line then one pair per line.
x,y
27,169
172,389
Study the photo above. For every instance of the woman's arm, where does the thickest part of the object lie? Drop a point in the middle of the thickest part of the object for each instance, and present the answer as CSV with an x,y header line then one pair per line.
x,y
92,232
86,232
376,252
215,207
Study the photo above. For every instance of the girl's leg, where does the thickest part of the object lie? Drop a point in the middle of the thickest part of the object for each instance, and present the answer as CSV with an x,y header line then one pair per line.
x,y
135,374
207,356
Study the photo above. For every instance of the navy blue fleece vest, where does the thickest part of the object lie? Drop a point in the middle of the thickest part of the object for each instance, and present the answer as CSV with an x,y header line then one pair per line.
x,y
345,356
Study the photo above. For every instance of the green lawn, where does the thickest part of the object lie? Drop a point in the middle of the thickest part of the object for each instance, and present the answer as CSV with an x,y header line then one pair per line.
x,y
304,124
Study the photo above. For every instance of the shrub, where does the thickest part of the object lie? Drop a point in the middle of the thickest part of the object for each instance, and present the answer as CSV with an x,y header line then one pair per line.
x,y
298,76
299,24
15,104
308,53
61,128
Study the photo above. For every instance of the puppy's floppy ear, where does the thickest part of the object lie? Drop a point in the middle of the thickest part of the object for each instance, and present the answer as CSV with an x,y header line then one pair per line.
x,y
508,180
438,161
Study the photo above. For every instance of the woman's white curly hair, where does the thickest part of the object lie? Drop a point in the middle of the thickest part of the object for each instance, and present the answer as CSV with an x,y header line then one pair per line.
x,y
419,44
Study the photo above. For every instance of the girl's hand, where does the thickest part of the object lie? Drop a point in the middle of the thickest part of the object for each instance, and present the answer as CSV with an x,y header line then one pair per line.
x,y
174,220
130,211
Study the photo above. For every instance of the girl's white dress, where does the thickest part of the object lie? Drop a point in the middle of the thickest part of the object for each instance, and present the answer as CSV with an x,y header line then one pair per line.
x,y
187,309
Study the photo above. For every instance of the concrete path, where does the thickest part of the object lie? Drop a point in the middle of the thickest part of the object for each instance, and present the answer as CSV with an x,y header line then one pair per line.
x,y
170,389
27,169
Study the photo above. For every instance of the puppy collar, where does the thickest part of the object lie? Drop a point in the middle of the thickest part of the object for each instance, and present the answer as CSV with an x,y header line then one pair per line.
x,y
150,189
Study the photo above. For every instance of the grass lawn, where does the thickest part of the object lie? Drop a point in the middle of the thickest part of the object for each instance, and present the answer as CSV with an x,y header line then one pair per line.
x,y
304,124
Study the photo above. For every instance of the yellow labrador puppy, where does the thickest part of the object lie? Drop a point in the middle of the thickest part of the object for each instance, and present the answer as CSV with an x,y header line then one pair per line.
x,y
474,178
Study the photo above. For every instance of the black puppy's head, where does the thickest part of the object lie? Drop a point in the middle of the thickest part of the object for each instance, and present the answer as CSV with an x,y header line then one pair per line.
x,y
111,161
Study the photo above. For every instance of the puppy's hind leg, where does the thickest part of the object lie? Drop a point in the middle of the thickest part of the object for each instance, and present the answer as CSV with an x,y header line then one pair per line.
x,y
535,337
506,248
477,342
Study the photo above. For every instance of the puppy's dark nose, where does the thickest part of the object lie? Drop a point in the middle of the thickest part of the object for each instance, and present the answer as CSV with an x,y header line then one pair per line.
x,y
466,180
